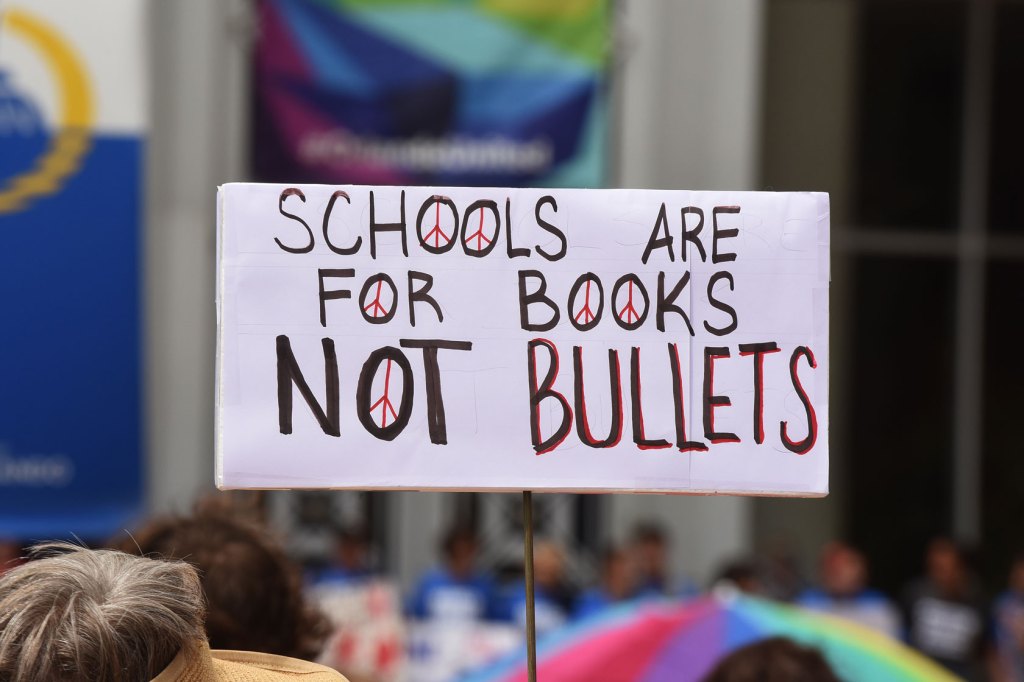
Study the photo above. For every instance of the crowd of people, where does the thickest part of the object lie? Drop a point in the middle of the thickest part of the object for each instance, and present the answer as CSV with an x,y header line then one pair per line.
x,y
943,614
253,597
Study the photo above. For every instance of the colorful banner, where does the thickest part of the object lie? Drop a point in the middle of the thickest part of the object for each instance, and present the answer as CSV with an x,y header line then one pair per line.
x,y
72,115
445,92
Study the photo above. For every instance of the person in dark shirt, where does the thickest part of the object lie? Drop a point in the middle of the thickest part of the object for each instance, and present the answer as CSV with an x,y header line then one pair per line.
x,y
945,612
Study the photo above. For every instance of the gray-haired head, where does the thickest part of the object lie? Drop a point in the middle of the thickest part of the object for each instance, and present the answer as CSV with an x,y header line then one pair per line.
x,y
75,614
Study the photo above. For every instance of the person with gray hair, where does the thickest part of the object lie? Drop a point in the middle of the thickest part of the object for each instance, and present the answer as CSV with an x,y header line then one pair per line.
x,y
72,614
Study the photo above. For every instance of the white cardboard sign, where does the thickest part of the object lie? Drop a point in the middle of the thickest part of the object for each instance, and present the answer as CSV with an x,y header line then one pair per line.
x,y
522,339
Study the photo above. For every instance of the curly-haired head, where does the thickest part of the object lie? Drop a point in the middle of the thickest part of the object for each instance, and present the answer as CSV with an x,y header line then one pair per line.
x,y
773,660
253,590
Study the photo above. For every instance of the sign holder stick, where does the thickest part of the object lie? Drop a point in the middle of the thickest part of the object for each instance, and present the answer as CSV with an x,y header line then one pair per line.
x,y
531,625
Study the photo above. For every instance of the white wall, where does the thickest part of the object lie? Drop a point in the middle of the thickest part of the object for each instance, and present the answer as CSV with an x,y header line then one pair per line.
x,y
198,111
689,93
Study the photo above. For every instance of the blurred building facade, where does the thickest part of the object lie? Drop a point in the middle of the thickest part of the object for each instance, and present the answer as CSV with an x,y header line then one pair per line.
x,y
904,111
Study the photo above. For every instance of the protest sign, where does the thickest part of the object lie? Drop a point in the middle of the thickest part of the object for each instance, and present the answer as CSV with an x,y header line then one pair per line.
x,y
522,339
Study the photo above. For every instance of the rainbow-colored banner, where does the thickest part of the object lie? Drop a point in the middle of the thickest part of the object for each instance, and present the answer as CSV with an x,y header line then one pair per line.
x,y
440,92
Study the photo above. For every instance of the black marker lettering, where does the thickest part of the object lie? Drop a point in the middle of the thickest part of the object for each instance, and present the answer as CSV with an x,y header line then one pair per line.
x,y
628,317
436,424
442,241
333,294
525,300
364,410
376,227
484,244
538,392
582,424
693,235
717,234
294,191
724,307
667,304
344,251
422,295
586,318
548,227
376,312
512,251
659,242
711,401
801,447
639,436
288,374
677,399
759,350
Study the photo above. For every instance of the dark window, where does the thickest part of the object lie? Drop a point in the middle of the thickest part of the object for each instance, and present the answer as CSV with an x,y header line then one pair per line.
x,y
1006,179
1003,466
900,459
910,114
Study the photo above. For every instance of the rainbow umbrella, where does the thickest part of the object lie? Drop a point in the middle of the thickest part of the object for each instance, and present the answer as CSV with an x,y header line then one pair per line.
x,y
662,642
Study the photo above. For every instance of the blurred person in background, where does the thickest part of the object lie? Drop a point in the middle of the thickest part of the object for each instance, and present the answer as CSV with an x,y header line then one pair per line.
x,y
778,570
78,615
843,591
254,591
351,560
368,637
739,575
10,555
649,545
773,660
1008,622
456,590
944,612
618,583
553,598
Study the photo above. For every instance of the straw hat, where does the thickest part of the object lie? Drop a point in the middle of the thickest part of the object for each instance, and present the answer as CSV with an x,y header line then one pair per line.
x,y
203,665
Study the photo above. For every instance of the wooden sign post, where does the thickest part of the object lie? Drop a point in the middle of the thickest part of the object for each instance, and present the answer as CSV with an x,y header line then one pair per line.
x,y
531,620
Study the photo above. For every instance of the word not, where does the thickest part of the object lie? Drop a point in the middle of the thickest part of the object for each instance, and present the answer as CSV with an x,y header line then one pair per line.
x,y
328,416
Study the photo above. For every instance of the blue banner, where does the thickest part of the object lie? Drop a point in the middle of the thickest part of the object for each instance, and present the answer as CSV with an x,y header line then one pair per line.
x,y
70,215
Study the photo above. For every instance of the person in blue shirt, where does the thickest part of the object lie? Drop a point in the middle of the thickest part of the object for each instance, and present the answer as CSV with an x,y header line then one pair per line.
x,y
618,584
649,545
553,598
456,590
843,591
1008,625
351,565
